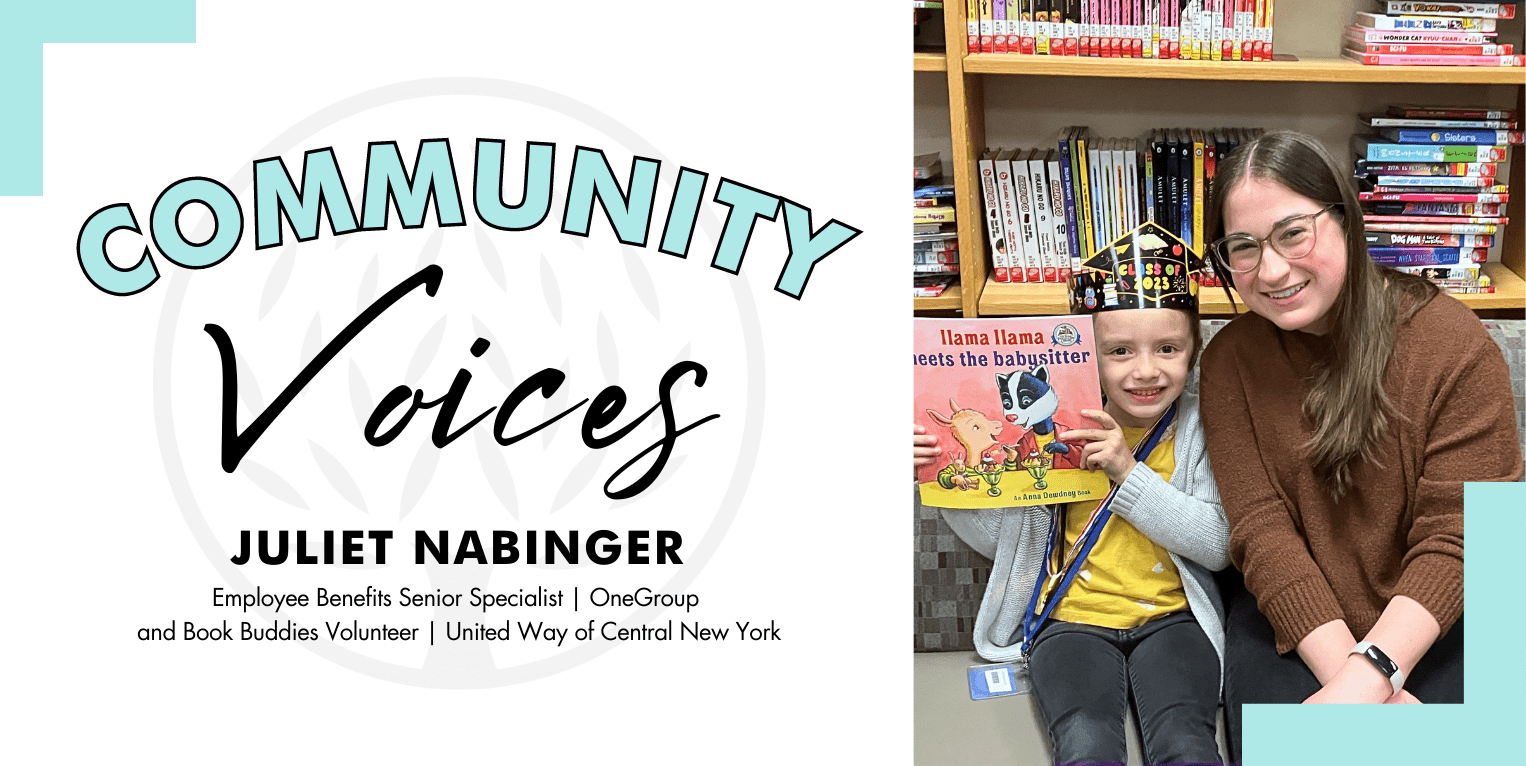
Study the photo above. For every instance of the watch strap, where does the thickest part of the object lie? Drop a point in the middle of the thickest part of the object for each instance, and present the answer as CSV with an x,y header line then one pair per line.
x,y
1379,660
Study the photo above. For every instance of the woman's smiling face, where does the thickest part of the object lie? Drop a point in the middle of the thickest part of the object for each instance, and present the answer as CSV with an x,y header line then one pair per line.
x,y
1294,294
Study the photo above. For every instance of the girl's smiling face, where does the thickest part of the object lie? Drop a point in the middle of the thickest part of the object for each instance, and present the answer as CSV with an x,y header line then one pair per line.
x,y
1294,294
1143,356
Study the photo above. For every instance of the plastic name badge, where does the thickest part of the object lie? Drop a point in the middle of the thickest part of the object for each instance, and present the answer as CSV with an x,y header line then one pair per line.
x,y
1001,680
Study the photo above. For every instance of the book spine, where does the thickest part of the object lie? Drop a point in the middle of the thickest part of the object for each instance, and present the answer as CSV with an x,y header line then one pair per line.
x,y
1012,222
1374,21
1384,152
1269,32
1408,197
1084,43
1417,36
1124,188
1197,193
1069,179
999,26
1438,208
1447,273
1043,227
1461,182
1379,59
1491,189
1116,31
1451,136
1432,169
1030,264
972,25
1025,21
1413,49
1439,218
993,217
987,27
1396,239
1479,10
1451,114
1452,254
1084,196
1435,228
1062,230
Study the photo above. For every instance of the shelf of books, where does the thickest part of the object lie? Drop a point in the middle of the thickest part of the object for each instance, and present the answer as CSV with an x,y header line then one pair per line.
x,y
1302,70
1009,299
1069,189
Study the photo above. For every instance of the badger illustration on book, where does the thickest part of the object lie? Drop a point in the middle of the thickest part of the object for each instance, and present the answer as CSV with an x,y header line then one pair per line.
x,y
1030,403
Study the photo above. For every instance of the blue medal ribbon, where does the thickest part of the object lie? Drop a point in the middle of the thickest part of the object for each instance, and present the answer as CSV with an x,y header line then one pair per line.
x,y
1065,572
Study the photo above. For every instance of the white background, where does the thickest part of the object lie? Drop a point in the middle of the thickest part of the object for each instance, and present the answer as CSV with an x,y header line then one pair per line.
x,y
809,101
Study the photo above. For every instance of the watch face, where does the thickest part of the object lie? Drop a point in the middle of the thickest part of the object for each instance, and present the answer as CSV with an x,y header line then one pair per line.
x,y
1380,661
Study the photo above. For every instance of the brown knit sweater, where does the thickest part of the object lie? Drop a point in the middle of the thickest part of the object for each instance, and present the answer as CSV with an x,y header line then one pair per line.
x,y
1309,560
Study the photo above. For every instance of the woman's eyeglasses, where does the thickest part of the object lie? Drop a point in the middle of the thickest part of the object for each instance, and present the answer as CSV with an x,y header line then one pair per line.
x,y
1292,239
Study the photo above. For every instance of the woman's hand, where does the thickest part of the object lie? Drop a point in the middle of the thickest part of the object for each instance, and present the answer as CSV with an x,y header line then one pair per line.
x,y
1402,698
1357,682
1107,449
924,447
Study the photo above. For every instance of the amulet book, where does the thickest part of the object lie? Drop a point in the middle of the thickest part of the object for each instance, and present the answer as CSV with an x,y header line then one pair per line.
x,y
997,393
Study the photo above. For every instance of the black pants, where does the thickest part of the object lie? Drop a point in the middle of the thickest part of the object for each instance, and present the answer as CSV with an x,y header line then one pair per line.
x,y
1255,673
1083,678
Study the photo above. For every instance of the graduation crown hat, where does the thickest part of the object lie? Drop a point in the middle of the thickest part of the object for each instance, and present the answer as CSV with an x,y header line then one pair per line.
x,y
1147,268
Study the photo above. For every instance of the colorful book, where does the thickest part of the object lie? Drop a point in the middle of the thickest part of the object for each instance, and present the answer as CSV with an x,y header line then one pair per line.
x,y
1451,136
995,229
1404,197
1062,233
1486,169
1378,59
1377,121
1374,148
1436,208
1462,182
1441,254
1478,10
1408,239
972,378
1418,36
1439,49
1069,179
1383,218
1043,219
1377,21
1451,113
1445,272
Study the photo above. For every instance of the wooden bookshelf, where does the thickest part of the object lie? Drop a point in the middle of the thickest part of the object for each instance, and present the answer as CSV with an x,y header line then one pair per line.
x,y
1302,70
952,298
1312,90
929,62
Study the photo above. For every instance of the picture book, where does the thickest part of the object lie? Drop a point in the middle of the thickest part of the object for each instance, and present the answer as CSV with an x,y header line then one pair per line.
x,y
997,393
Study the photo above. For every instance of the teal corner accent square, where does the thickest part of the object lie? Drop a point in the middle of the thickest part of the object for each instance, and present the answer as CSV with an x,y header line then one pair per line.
x,y
1484,730
27,26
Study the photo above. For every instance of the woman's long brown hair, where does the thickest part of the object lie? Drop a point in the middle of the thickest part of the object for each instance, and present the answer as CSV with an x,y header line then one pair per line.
x,y
1347,407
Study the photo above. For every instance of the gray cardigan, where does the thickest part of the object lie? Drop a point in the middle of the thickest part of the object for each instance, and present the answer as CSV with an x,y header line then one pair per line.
x,y
1184,516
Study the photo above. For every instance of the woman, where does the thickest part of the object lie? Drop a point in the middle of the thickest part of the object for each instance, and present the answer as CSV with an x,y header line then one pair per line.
x,y
1345,413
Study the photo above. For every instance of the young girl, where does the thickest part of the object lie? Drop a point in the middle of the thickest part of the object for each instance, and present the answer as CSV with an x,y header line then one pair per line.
x,y
1141,619
1353,402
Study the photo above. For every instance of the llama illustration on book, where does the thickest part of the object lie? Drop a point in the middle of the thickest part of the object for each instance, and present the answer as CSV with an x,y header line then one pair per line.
x,y
984,455
999,440
1030,402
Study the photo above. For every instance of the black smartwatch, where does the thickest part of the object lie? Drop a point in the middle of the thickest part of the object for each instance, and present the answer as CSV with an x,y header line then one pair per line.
x,y
1379,660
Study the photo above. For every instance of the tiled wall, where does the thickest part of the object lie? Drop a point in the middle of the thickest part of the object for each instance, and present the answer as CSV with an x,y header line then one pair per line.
x,y
950,577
